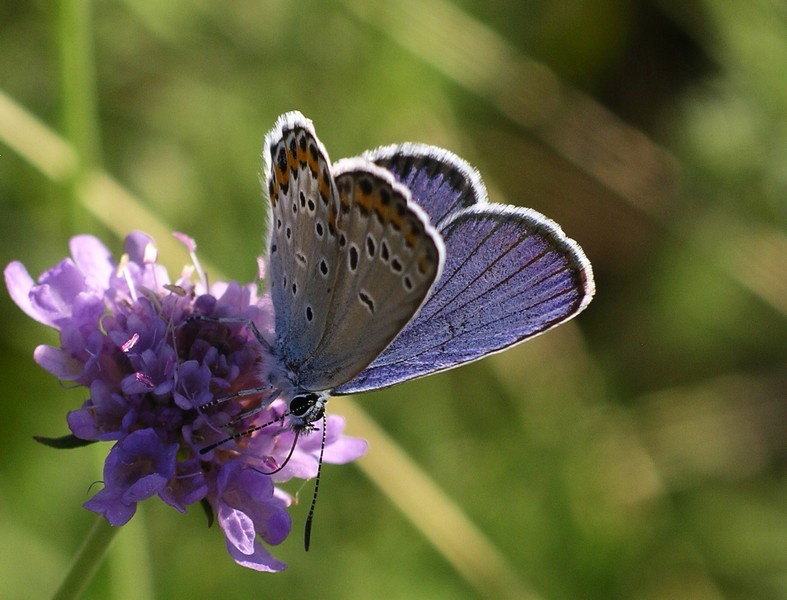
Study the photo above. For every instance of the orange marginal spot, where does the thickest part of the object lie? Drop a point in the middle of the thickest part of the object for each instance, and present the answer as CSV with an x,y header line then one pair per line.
x,y
423,264
332,216
365,201
396,216
292,160
404,226
282,177
274,192
314,164
344,199
381,210
325,185
303,155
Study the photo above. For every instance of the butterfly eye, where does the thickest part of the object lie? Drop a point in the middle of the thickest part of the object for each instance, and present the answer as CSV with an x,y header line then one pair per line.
x,y
309,407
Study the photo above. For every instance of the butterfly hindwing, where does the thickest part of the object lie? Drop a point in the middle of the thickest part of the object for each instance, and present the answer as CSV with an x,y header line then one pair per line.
x,y
439,181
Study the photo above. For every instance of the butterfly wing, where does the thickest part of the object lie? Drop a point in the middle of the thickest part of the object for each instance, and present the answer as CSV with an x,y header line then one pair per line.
x,y
303,208
510,274
352,258
439,181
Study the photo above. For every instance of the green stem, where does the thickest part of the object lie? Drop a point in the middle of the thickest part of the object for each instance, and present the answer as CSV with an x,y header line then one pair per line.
x,y
78,92
87,560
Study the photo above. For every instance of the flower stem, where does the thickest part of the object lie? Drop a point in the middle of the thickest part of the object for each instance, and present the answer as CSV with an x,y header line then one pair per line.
x,y
87,560
78,93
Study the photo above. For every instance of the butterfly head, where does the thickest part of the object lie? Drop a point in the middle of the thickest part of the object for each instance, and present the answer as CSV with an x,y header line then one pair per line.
x,y
305,408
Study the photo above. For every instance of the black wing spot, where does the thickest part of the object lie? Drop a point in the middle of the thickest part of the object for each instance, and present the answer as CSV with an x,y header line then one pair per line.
x,y
312,205
353,257
319,229
289,232
455,179
408,283
396,265
371,246
294,289
385,253
323,267
309,314
367,300
281,158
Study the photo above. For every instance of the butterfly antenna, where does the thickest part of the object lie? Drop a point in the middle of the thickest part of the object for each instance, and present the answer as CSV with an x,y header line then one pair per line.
x,y
262,389
307,529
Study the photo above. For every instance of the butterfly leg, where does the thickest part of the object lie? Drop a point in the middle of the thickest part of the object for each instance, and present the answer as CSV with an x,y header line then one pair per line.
x,y
271,391
234,321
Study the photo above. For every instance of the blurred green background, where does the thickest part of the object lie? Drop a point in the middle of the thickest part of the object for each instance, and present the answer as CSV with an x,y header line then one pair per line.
x,y
638,452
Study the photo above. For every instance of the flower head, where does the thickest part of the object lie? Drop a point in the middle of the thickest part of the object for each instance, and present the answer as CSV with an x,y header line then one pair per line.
x,y
129,335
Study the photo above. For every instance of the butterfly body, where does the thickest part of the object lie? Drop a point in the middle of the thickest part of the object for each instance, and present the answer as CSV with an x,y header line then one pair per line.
x,y
392,265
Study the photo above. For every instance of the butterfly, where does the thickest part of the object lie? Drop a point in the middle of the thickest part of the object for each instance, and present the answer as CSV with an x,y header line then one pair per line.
x,y
393,265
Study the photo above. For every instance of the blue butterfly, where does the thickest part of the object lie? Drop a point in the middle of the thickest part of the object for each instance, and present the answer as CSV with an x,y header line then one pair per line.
x,y
393,265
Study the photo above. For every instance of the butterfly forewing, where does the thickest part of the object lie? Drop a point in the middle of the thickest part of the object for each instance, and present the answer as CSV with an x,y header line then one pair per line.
x,y
389,257
302,235
509,274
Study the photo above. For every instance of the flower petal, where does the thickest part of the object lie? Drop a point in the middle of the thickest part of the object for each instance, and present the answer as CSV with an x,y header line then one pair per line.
x,y
19,284
259,560
57,293
93,259
107,503
137,246
58,362
238,528
345,450
145,487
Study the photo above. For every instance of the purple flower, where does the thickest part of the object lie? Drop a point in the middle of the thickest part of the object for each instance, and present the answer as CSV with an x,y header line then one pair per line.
x,y
127,335
137,467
